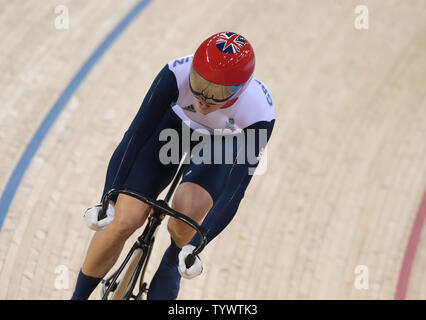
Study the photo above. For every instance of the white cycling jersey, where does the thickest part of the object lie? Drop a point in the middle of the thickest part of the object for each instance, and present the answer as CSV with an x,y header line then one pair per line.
x,y
253,105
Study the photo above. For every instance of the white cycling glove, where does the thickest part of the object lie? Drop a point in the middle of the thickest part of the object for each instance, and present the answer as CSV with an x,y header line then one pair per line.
x,y
91,217
195,269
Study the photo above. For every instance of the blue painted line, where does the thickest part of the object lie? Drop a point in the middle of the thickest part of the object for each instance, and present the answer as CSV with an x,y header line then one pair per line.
x,y
60,104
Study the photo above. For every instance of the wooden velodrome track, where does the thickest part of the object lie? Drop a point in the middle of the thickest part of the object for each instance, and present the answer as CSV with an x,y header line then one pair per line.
x,y
346,165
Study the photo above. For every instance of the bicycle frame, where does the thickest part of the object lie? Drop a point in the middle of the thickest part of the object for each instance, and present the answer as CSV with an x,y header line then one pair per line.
x,y
145,241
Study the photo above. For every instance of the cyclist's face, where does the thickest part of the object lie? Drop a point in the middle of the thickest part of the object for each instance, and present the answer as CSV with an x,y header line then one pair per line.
x,y
209,96
205,108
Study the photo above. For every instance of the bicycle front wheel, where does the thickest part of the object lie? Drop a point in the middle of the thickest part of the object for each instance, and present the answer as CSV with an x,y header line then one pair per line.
x,y
127,280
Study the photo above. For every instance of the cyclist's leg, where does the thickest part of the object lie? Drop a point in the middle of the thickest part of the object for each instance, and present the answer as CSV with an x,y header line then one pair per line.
x,y
194,197
202,182
166,281
147,176
106,246
194,201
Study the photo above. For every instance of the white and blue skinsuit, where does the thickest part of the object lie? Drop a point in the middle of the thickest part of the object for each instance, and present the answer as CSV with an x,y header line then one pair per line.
x,y
135,164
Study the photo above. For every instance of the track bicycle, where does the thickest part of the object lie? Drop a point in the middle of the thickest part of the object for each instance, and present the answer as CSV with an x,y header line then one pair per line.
x,y
129,277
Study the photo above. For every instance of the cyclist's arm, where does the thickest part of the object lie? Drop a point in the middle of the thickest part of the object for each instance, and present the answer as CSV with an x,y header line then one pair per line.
x,y
224,209
162,93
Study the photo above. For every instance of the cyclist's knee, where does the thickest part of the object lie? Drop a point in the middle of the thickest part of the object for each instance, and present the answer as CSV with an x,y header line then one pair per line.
x,y
122,228
193,201
179,232
130,214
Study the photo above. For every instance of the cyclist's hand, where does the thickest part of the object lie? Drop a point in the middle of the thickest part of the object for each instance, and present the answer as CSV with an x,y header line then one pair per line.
x,y
91,217
195,269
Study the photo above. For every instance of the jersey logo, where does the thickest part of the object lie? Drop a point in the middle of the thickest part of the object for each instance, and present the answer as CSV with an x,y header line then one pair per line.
x,y
190,108
265,91
230,124
229,42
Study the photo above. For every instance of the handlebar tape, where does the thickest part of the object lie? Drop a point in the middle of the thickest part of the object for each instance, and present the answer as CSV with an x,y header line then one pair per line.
x,y
102,214
189,260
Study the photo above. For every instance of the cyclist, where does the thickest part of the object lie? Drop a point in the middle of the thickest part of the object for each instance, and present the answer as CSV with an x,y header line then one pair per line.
x,y
212,93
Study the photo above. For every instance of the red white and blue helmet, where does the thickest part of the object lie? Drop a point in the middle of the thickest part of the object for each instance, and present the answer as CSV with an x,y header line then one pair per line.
x,y
222,67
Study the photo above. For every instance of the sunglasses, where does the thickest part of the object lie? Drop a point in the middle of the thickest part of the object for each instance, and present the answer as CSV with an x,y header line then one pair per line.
x,y
200,95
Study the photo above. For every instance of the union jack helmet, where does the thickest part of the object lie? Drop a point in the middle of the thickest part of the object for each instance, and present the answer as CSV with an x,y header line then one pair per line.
x,y
221,68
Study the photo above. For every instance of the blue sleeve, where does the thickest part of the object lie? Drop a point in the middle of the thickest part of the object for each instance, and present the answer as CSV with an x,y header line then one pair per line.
x,y
162,93
224,209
